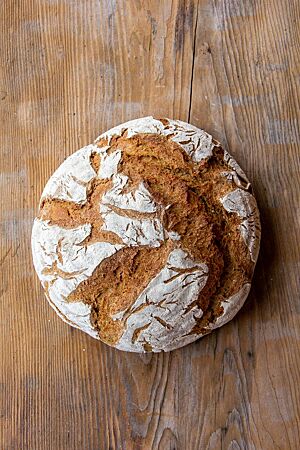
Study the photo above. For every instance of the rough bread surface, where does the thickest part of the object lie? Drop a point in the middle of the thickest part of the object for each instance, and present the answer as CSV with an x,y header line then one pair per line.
x,y
148,238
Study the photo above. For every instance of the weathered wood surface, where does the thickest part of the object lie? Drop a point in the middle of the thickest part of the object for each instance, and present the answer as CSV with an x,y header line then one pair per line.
x,y
69,70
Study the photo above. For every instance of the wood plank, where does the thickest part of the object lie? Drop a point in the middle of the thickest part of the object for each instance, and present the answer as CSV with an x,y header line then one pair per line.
x,y
71,69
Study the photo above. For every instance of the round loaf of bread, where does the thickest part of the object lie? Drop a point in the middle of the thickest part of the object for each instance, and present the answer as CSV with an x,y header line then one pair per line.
x,y
147,239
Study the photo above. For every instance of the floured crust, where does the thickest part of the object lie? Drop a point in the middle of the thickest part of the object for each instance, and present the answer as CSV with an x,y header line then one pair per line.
x,y
148,238
160,317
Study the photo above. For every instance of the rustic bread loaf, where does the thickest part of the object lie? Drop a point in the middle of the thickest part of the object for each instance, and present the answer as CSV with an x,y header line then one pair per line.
x,y
147,239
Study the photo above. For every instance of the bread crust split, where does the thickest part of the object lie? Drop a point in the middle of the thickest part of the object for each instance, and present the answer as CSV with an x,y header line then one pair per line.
x,y
147,239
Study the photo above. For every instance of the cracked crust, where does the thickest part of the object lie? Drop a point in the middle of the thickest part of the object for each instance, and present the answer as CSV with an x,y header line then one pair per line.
x,y
148,238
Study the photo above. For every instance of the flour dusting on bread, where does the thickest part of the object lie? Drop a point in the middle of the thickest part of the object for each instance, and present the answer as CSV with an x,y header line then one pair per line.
x,y
148,238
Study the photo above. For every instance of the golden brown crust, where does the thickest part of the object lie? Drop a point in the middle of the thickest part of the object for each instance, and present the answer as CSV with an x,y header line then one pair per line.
x,y
70,215
116,283
95,161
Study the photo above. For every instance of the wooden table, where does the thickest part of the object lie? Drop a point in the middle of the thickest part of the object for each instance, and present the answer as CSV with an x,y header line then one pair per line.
x,y
70,69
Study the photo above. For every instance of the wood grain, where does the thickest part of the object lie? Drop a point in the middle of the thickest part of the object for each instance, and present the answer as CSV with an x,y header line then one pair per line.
x,y
69,70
